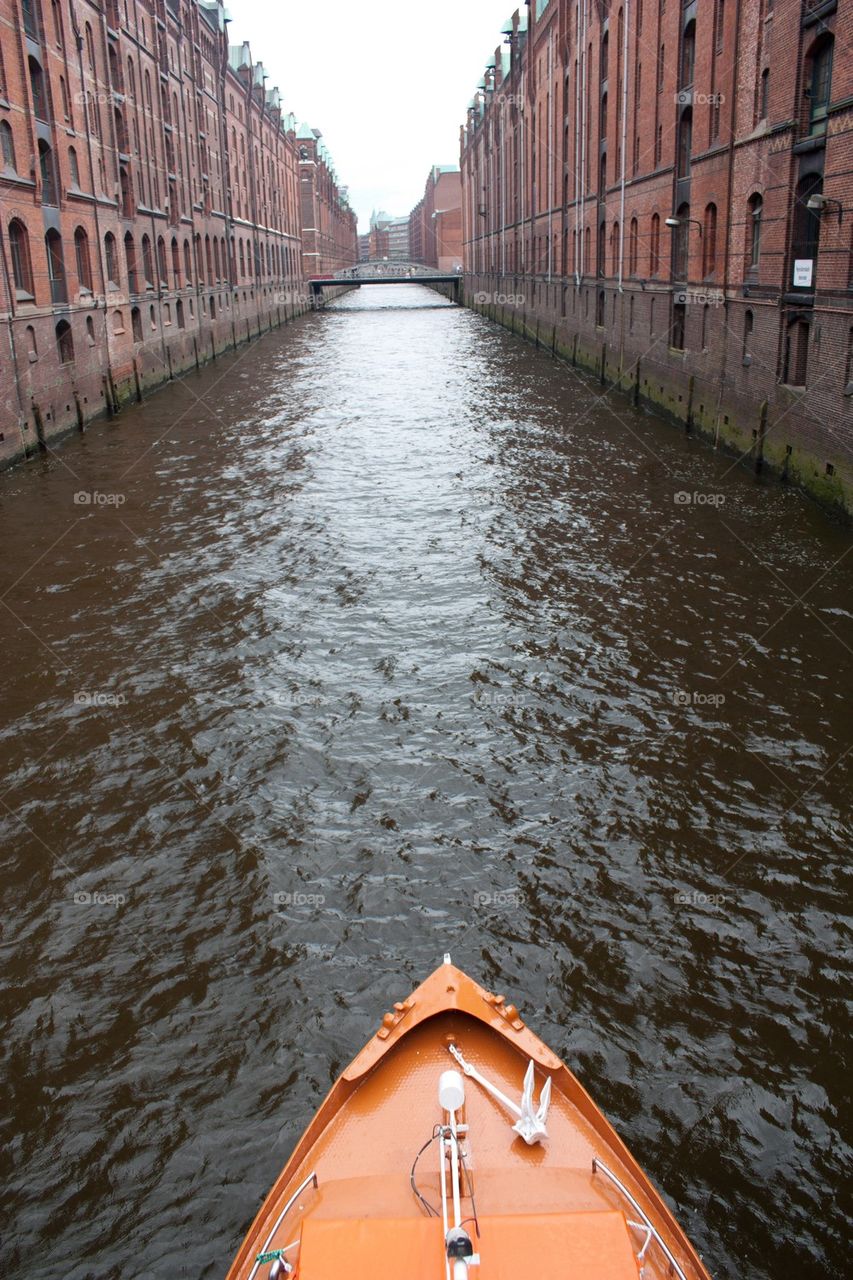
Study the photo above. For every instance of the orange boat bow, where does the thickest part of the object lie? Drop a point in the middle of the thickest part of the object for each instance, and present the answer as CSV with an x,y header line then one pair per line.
x,y
575,1205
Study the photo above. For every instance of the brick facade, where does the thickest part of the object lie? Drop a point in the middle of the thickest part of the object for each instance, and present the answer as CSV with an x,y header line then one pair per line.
x,y
595,123
149,205
329,226
435,223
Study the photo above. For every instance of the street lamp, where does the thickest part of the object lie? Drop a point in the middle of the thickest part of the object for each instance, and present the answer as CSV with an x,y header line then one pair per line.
x,y
820,204
678,222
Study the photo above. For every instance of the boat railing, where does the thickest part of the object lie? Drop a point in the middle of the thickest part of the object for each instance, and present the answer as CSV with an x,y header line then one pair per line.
x,y
645,1224
263,1256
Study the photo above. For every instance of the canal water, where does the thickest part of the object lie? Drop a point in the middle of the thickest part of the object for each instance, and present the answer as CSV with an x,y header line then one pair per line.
x,y
384,637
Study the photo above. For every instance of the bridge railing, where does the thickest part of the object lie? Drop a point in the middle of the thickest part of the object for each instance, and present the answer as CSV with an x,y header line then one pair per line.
x,y
387,270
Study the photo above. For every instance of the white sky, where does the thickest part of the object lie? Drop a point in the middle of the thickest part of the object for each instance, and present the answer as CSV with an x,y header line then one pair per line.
x,y
388,84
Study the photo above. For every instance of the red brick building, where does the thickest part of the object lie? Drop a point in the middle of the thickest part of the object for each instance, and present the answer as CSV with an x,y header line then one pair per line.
x,y
665,191
329,226
150,204
435,223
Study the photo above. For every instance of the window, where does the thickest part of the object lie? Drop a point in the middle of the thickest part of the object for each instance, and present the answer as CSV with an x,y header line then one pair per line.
x,y
720,22
685,143
19,249
111,258
703,341
130,262
84,266
179,313
152,316
654,252
795,371
176,263
38,89
679,321
7,144
136,324
688,56
161,263
599,309
65,342
661,64
709,242
820,84
601,247
118,322
48,175
681,243
147,263
188,262
755,210
632,248
73,167
31,342
90,331
748,326
55,266
764,94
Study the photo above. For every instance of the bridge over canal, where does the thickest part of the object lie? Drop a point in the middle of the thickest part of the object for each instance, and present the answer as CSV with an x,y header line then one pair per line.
x,y
386,273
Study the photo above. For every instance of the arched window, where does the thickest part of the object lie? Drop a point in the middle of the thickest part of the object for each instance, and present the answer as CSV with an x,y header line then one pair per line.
x,y
7,145
136,324
614,250
130,261
755,209
242,261
709,242
55,266
111,258
217,264
179,313
600,264
65,342
84,265
73,167
212,307
152,316
188,262
208,255
90,331
819,79
605,51
19,251
31,341
632,248
161,263
176,263
654,242
599,309
118,322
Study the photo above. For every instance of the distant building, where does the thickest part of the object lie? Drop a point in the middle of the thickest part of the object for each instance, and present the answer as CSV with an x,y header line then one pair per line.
x,y
329,225
364,247
388,238
435,223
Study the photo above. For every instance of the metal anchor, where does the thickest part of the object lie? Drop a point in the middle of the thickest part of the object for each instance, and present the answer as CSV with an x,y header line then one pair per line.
x,y
530,1124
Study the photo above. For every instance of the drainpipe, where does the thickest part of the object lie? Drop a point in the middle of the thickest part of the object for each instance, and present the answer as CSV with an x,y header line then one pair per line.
x,y
578,231
582,193
730,169
78,39
624,140
549,201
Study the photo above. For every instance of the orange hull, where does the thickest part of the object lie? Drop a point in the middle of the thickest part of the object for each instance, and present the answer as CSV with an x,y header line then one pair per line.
x,y
575,1204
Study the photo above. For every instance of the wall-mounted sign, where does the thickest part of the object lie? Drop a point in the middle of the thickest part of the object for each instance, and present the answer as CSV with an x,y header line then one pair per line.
x,y
803,268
